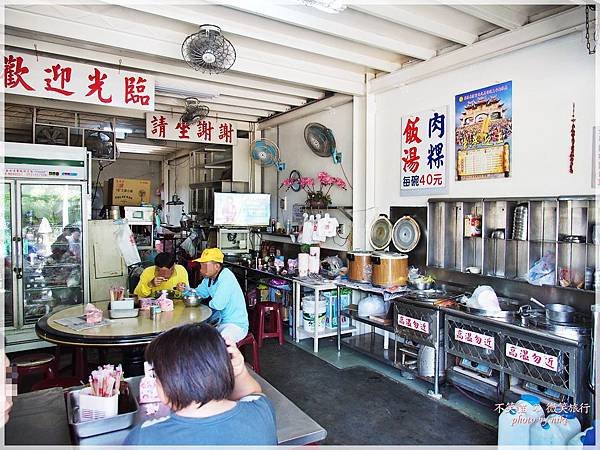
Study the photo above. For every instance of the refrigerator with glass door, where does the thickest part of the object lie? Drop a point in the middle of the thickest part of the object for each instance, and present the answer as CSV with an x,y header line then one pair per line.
x,y
46,208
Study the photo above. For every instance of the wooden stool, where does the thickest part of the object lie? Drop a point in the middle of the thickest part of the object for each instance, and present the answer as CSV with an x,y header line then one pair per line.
x,y
249,340
35,363
63,382
275,323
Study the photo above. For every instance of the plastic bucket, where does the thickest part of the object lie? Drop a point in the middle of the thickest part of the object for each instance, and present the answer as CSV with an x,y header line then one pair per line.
x,y
308,314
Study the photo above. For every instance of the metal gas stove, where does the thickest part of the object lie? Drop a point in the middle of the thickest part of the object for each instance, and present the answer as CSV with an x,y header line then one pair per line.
x,y
579,330
550,356
430,295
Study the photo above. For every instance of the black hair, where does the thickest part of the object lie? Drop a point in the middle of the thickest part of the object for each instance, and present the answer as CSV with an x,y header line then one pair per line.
x,y
164,259
192,364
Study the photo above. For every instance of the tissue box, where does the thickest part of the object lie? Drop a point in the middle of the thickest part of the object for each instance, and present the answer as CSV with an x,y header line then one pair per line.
x,y
166,304
92,314
148,391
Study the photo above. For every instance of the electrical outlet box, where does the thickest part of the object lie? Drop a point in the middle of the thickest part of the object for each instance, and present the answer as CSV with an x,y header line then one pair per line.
x,y
283,203
341,229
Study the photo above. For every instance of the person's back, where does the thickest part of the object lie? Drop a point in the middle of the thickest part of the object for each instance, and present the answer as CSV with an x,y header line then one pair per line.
x,y
215,401
250,422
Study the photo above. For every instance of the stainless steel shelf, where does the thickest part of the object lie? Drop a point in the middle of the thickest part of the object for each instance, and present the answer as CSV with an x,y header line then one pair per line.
x,y
354,316
370,345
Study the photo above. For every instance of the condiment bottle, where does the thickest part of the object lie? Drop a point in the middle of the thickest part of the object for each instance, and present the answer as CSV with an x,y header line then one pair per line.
x,y
123,397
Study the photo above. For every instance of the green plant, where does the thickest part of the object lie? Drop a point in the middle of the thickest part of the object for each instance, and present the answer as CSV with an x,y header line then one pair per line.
x,y
305,248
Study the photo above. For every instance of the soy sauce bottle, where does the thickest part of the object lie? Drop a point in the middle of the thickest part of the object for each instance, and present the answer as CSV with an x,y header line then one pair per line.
x,y
124,397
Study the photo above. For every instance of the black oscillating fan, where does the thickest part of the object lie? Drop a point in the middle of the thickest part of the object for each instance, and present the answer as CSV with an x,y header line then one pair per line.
x,y
194,111
208,50
320,140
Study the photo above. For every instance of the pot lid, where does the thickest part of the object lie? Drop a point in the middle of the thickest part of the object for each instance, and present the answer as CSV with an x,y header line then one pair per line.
x,y
389,255
406,234
381,233
360,252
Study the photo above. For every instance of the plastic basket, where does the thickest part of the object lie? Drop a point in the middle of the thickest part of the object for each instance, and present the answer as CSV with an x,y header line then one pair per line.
x,y
92,407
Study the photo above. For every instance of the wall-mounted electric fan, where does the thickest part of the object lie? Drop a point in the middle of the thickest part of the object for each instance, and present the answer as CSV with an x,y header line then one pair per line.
x,y
194,111
266,153
100,143
51,135
320,140
208,50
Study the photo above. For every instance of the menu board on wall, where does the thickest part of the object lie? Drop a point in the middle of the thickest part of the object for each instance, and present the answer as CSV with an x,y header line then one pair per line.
x,y
483,132
168,127
41,76
424,156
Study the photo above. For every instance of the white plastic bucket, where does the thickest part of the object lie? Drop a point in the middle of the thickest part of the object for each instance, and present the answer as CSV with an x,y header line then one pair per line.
x,y
308,314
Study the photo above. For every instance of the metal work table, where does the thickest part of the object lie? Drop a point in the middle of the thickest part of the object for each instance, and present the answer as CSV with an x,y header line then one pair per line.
x,y
298,283
40,418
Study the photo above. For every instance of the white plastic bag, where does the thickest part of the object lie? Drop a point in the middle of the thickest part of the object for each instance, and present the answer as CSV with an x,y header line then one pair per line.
x,y
127,246
484,297
188,244
542,271
371,306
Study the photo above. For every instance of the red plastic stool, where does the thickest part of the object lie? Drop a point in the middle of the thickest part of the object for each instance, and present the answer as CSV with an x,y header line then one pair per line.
x,y
275,322
35,363
249,340
63,382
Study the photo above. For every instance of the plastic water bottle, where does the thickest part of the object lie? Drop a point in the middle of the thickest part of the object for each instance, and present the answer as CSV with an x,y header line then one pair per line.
x,y
569,425
514,423
587,437
548,432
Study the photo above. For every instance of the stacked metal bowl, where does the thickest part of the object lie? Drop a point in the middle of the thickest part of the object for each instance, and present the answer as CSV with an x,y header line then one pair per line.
x,y
520,222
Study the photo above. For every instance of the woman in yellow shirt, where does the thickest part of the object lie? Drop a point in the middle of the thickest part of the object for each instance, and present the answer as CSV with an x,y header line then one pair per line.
x,y
164,274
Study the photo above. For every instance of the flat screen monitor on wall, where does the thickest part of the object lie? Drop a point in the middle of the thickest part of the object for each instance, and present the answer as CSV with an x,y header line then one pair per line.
x,y
242,210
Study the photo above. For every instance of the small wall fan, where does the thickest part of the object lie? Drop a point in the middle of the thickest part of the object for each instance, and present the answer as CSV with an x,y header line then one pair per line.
x,y
320,140
194,111
266,153
100,143
208,50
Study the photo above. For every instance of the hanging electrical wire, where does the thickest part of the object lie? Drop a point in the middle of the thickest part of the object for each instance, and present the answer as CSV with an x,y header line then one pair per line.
x,y
345,176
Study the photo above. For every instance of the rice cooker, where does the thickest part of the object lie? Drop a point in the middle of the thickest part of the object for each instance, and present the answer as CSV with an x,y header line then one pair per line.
x,y
359,266
389,269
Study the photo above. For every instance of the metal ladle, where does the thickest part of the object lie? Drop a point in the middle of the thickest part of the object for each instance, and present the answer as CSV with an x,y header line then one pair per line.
x,y
537,302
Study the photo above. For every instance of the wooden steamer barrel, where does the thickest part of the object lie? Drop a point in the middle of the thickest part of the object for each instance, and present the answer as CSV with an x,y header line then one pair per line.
x,y
389,269
359,266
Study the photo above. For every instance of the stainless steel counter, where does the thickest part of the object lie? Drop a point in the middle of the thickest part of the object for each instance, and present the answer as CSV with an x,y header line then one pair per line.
x,y
39,418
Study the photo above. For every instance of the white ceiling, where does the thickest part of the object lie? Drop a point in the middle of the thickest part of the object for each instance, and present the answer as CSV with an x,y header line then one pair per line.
x,y
288,54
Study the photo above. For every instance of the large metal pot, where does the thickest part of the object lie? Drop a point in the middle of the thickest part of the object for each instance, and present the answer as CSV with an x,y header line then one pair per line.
x,y
359,266
426,362
389,269
557,312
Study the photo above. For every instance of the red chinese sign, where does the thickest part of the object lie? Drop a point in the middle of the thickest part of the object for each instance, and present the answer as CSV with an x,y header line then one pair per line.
x,y
170,128
477,339
423,160
40,76
413,324
532,357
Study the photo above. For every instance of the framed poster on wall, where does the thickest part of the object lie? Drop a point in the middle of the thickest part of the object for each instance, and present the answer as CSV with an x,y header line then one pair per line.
x,y
424,155
483,132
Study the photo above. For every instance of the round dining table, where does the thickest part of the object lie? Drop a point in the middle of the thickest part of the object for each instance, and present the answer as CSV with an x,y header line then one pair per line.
x,y
129,334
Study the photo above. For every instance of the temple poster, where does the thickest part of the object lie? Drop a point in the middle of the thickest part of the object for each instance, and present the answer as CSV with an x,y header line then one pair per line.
x,y
483,132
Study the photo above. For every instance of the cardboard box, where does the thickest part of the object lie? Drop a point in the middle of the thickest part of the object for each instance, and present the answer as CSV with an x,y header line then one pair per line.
x,y
331,312
127,192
